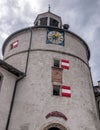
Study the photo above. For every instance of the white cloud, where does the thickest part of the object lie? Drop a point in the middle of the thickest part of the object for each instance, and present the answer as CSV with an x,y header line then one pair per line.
x,y
4,35
34,5
3,9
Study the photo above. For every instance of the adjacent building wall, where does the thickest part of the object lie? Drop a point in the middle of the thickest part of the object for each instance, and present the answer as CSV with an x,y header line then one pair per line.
x,y
6,92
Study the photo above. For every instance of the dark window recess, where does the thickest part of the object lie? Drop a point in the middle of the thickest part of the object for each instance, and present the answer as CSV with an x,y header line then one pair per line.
x,y
36,24
53,22
43,21
53,128
56,90
56,63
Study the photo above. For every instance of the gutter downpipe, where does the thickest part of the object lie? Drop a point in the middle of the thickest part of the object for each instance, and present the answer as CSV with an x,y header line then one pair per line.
x,y
98,102
99,109
15,86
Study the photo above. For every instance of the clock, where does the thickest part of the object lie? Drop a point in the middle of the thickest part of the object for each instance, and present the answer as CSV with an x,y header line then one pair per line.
x,y
56,37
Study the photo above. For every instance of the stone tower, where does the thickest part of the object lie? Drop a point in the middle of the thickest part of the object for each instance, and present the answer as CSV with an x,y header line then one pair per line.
x,y
45,79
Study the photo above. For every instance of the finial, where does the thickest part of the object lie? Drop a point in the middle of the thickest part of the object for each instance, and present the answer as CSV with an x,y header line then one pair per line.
x,y
49,8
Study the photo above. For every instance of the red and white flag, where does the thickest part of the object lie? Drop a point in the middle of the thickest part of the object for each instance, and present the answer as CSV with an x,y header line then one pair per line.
x,y
65,64
66,91
14,44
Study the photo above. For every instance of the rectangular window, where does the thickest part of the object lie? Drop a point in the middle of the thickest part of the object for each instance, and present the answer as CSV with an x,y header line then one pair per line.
x,y
56,63
43,21
53,22
56,90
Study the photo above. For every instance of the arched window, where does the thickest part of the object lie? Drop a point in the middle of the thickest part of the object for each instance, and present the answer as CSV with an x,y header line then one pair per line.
x,y
55,126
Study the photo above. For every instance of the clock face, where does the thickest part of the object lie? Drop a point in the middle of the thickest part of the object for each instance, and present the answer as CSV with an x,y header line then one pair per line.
x,y
56,37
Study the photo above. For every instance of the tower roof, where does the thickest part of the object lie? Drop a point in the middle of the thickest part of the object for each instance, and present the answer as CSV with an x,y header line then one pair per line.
x,y
48,18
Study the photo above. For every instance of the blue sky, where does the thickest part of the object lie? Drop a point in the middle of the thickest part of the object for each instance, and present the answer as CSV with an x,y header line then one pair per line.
x,y
83,16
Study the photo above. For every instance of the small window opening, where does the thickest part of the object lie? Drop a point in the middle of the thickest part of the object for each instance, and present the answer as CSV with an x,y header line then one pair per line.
x,y
56,90
54,128
56,63
43,21
53,22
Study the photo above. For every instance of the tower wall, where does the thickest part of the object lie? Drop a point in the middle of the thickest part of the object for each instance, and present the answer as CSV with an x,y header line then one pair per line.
x,y
73,45
34,96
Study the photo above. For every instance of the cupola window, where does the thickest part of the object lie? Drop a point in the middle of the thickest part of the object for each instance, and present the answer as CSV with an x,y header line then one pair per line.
x,y
53,22
43,21
36,24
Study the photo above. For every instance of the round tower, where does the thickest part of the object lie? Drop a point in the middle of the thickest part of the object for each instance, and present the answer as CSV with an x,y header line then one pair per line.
x,y
56,92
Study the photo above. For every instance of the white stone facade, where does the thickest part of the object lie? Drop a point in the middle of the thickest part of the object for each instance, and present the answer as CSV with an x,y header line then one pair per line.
x,y
34,98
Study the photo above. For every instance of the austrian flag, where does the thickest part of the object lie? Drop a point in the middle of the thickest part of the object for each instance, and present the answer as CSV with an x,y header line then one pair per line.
x,y
66,91
65,64
14,44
